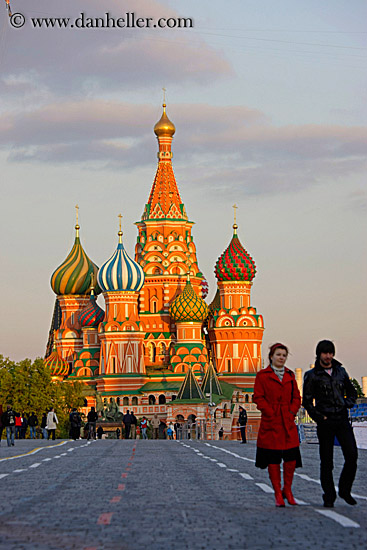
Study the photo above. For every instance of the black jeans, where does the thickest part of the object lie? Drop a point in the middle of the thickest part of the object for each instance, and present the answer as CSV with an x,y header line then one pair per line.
x,y
326,432
243,433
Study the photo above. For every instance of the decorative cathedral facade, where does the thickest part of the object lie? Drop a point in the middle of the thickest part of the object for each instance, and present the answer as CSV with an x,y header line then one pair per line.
x,y
157,347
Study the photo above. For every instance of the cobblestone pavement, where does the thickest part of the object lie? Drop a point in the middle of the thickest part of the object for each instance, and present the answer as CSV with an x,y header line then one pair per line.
x,y
127,495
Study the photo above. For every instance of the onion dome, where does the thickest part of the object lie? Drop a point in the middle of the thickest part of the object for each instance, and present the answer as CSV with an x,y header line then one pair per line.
x,y
92,314
164,127
188,306
235,264
56,364
73,276
120,272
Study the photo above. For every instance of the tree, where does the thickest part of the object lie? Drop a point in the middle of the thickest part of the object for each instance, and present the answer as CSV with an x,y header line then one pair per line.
x,y
357,387
28,387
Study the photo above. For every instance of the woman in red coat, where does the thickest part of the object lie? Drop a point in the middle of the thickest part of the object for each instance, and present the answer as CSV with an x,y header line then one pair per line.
x,y
277,397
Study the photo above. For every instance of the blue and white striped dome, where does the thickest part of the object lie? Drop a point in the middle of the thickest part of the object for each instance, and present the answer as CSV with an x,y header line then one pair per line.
x,y
120,272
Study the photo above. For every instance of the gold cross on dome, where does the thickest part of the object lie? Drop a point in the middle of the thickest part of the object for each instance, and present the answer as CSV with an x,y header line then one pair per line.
x,y
164,95
235,208
77,214
120,218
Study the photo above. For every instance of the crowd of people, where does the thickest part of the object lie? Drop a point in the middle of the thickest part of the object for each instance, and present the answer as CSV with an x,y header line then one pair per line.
x,y
17,424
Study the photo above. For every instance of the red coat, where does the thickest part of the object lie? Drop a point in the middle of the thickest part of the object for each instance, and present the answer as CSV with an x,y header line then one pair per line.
x,y
279,403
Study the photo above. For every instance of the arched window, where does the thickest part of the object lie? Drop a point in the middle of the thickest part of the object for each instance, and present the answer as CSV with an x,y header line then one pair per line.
x,y
162,399
134,401
174,397
154,306
246,398
125,401
225,411
151,352
151,400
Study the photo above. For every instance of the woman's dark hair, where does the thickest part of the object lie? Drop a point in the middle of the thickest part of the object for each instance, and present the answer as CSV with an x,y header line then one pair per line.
x,y
325,346
276,346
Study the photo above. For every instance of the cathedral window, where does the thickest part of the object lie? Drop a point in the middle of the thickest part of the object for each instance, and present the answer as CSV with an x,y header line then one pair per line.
x,y
125,401
134,401
151,400
162,400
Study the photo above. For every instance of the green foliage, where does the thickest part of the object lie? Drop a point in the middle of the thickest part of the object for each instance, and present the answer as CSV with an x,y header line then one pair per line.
x,y
28,387
357,387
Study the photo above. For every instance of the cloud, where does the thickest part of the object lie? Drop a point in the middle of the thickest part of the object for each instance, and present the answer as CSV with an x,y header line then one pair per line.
x,y
88,61
227,149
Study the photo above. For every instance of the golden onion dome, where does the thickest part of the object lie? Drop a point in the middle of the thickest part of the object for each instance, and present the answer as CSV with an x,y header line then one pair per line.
x,y
188,306
164,127
57,365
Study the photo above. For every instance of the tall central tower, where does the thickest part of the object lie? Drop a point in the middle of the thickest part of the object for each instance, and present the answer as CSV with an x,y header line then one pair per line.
x,y
166,251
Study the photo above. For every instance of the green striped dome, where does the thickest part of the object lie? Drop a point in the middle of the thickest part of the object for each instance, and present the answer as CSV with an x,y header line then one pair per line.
x,y
188,306
73,276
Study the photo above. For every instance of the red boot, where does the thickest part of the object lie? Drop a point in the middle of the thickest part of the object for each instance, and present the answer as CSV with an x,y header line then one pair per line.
x,y
288,472
274,474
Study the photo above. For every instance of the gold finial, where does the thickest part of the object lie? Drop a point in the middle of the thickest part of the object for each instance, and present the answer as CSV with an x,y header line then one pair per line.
x,y
92,284
120,230
77,226
235,226
164,97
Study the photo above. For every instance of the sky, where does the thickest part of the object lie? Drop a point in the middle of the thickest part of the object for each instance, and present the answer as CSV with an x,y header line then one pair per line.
x,y
269,103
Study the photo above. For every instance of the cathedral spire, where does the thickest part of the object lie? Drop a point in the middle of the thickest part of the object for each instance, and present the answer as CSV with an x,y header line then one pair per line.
x,y
164,201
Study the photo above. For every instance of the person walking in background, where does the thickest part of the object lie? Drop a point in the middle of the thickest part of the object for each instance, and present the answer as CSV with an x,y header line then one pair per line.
x,y
99,432
23,431
127,423
170,432
43,426
155,426
51,424
1,426
277,396
32,423
327,395
134,423
75,424
9,419
143,427
18,426
242,422
92,422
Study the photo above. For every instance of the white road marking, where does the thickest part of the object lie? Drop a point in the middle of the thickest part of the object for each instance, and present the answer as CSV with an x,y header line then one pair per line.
x,y
358,496
63,454
246,476
46,459
265,488
342,520
69,450
3,475
35,465
20,470
57,456
232,470
221,465
301,502
308,478
213,459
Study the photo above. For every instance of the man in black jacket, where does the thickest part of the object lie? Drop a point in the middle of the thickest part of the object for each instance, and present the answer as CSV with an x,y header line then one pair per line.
x,y
327,395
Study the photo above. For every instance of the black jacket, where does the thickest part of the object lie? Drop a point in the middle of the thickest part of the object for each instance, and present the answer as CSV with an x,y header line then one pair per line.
x,y
333,394
242,419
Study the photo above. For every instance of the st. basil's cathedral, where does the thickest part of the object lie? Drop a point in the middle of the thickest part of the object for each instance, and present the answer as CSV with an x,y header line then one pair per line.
x,y
158,348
